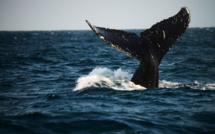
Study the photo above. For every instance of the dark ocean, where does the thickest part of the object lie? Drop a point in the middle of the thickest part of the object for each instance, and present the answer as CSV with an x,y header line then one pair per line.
x,y
72,82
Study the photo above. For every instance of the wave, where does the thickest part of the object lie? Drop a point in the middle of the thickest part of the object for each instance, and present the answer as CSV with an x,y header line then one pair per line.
x,y
120,80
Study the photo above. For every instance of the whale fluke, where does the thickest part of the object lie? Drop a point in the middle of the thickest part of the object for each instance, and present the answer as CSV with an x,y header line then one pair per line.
x,y
150,47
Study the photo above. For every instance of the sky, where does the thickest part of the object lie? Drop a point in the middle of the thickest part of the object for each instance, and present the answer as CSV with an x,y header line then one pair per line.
x,y
22,15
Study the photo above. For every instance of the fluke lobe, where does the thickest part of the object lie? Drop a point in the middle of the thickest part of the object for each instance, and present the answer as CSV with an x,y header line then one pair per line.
x,y
150,47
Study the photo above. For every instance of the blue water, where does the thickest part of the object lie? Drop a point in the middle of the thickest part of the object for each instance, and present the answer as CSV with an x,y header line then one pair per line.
x,y
73,82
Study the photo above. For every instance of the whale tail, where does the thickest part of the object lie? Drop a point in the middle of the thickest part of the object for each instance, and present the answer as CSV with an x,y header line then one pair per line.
x,y
150,47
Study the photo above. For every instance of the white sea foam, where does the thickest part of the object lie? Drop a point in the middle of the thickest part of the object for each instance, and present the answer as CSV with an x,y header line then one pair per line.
x,y
194,85
168,84
210,86
203,86
120,80
106,78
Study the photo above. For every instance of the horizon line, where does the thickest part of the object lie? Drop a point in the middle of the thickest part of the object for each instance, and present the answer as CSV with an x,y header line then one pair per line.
x,y
87,29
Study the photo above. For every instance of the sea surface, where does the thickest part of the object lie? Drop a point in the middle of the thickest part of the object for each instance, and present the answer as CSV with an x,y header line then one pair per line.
x,y
72,82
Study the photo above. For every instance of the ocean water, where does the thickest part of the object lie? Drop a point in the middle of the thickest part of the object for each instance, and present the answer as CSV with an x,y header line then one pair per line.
x,y
72,82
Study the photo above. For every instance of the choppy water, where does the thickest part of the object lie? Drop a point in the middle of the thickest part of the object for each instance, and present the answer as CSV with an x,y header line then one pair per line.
x,y
73,82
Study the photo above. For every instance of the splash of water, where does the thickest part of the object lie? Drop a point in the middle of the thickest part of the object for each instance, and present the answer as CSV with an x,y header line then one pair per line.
x,y
106,78
120,80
